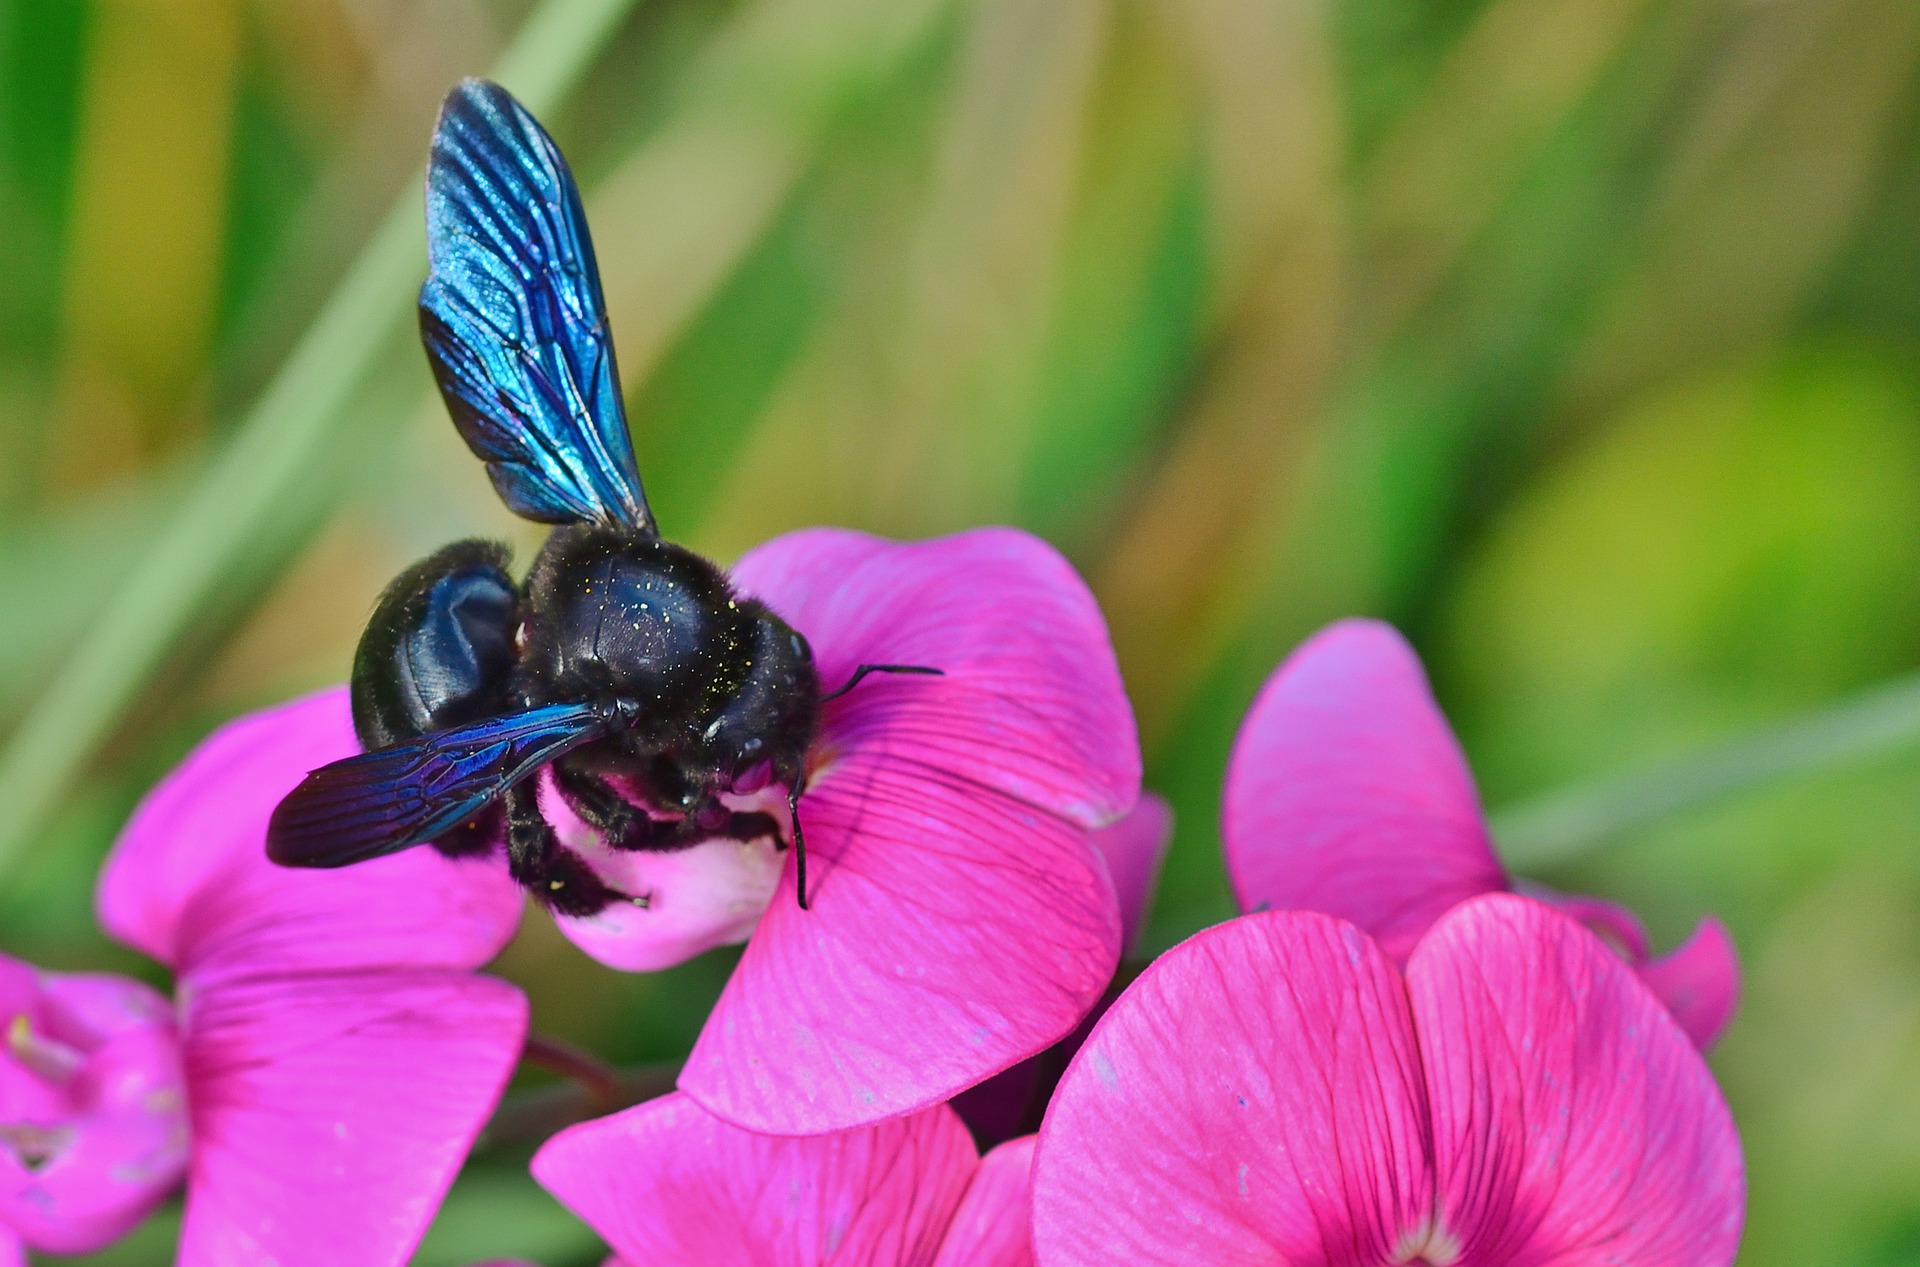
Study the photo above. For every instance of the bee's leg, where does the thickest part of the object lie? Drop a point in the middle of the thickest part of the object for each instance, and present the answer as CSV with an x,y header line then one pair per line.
x,y
624,825
597,802
860,674
795,786
553,873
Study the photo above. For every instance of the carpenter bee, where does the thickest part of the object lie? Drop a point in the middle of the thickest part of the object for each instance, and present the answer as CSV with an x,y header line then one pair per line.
x,y
625,663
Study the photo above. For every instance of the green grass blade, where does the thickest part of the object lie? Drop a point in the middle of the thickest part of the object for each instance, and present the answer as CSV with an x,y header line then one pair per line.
x,y
276,443
1563,825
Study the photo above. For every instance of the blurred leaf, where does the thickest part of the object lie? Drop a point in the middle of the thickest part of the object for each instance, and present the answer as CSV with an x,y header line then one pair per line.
x,y
273,176
1766,178
1552,829
70,562
1133,275
1210,511
1724,553
1875,286
672,222
491,1215
1829,1099
143,252
150,1244
912,401
42,56
1457,153
692,415
959,368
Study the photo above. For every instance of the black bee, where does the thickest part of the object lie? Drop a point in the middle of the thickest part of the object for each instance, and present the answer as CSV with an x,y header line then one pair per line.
x,y
626,663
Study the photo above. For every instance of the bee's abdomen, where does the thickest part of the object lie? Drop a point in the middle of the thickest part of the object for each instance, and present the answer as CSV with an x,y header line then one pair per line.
x,y
439,650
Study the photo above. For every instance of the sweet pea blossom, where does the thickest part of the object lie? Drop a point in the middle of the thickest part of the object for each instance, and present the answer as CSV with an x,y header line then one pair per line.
x,y
961,920
1347,793
328,1056
1275,1091
670,1185
93,1111
1134,849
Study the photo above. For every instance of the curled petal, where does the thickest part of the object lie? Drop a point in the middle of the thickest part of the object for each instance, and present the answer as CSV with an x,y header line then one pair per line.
x,y
694,899
669,1184
1348,794
331,1112
1699,982
93,1118
1611,922
1134,849
1572,1119
961,920
189,883
1255,1097
994,1225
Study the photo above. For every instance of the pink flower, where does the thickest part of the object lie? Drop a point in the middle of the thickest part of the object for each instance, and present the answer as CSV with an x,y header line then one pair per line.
x,y
1010,1103
1134,850
960,919
337,1054
93,1111
1347,793
669,1184
1275,1091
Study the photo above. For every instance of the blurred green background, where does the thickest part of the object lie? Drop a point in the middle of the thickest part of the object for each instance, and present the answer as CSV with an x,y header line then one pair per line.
x,y
1576,337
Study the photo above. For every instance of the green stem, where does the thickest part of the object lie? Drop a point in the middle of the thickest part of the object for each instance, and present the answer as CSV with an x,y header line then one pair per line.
x,y
531,1117
1563,825
278,444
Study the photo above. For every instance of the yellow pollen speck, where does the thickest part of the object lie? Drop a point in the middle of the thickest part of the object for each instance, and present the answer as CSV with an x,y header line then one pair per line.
x,y
19,1033
555,884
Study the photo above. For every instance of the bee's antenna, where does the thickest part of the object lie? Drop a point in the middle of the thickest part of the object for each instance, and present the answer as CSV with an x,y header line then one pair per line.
x,y
865,669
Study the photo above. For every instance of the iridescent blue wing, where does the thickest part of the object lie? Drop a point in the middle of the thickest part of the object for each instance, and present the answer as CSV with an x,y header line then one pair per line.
x,y
513,319
383,801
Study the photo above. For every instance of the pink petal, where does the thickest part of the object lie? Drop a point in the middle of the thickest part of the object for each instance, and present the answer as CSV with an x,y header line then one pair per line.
x,y
189,882
994,1225
1255,1097
12,1252
1572,1119
1347,793
1611,922
960,921
332,1111
669,1185
710,895
952,934
91,1065
1031,704
1134,850
1699,982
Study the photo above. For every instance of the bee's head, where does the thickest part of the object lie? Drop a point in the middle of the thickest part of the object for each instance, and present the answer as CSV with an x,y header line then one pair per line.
x,y
760,734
